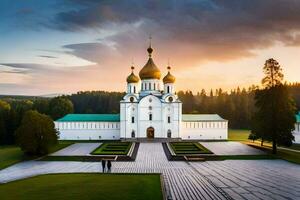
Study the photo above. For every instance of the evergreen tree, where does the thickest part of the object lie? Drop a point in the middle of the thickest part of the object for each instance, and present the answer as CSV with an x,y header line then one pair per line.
x,y
275,116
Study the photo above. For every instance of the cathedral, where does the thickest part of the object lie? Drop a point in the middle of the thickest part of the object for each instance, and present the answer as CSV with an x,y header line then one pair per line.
x,y
150,109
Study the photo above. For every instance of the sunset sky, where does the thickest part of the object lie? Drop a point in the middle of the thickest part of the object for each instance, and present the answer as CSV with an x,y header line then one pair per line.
x,y
64,46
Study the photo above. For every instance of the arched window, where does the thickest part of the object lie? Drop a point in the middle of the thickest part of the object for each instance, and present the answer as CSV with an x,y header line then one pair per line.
x,y
132,120
134,89
168,89
150,117
169,119
133,134
149,86
154,86
169,134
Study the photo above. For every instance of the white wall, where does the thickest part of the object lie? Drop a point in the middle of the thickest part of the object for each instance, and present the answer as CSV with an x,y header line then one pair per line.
x,y
88,130
296,133
211,130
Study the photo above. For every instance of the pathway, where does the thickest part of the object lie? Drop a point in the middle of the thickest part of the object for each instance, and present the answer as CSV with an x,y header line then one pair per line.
x,y
78,149
231,148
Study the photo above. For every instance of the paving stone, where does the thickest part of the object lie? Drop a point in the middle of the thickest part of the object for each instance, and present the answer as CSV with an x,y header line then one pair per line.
x,y
231,148
78,149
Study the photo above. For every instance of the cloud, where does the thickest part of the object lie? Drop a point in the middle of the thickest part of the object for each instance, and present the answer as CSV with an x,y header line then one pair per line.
x,y
190,33
45,56
197,30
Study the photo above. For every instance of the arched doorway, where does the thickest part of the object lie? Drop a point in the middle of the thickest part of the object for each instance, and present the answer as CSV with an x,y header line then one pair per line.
x,y
150,132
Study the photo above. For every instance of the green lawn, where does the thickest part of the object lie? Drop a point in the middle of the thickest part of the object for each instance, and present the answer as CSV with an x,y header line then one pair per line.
x,y
238,134
11,154
185,148
113,148
84,186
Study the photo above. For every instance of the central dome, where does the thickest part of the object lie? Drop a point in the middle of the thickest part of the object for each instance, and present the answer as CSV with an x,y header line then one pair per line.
x,y
150,70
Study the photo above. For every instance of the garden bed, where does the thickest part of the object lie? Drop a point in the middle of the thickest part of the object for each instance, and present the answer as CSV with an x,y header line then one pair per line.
x,y
188,148
113,148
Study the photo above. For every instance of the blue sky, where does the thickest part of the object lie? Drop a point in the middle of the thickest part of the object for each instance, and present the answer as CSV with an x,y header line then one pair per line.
x,y
63,46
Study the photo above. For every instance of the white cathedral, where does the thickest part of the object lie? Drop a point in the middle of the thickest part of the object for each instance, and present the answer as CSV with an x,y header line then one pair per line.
x,y
146,111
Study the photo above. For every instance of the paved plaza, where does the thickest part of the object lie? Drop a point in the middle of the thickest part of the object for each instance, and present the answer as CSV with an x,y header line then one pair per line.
x,y
78,149
230,179
231,148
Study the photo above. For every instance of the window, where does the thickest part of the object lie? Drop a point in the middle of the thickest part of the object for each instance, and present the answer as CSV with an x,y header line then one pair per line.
x,y
168,89
149,86
131,99
150,117
132,120
134,91
133,134
169,119
169,134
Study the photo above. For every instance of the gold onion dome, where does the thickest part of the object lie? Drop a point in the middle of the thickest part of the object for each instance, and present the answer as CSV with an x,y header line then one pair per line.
x,y
169,78
150,70
132,78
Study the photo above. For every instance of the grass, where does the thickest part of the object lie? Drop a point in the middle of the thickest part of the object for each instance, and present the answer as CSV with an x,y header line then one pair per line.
x,y
238,134
11,154
85,186
186,148
285,154
247,157
113,148
281,153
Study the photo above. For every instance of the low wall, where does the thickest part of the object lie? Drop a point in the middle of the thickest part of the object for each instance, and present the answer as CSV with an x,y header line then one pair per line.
x,y
89,134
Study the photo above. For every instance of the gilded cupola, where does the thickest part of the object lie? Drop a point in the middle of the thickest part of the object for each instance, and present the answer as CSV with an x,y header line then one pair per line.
x,y
132,78
150,70
169,78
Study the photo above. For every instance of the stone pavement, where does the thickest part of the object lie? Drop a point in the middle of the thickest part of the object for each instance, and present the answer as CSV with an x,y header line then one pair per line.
x,y
231,148
230,179
78,149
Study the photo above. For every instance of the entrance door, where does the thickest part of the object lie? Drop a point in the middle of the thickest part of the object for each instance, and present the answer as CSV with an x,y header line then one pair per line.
x,y
150,132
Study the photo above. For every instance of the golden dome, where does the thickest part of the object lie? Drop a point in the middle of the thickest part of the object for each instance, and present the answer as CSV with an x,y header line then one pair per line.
x,y
169,78
150,70
132,78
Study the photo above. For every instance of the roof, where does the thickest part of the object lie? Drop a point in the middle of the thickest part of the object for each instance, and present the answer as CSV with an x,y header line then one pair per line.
x,y
298,117
90,118
201,117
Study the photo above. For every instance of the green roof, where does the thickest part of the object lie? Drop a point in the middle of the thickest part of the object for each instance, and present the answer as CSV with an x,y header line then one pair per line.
x,y
90,118
298,117
201,117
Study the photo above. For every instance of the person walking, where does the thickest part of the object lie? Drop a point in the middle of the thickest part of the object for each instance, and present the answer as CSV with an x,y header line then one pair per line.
x,y
108,166
103,165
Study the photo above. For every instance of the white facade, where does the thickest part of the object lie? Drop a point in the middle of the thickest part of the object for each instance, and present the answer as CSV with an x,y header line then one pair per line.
x,y
88,130
296,132
150,109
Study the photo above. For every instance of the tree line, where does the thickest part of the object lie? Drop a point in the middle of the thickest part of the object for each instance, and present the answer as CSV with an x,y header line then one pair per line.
x,y
237,106
13,110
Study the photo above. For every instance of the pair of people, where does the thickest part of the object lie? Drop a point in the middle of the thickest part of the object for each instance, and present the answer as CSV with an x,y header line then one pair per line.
x,y
104,165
